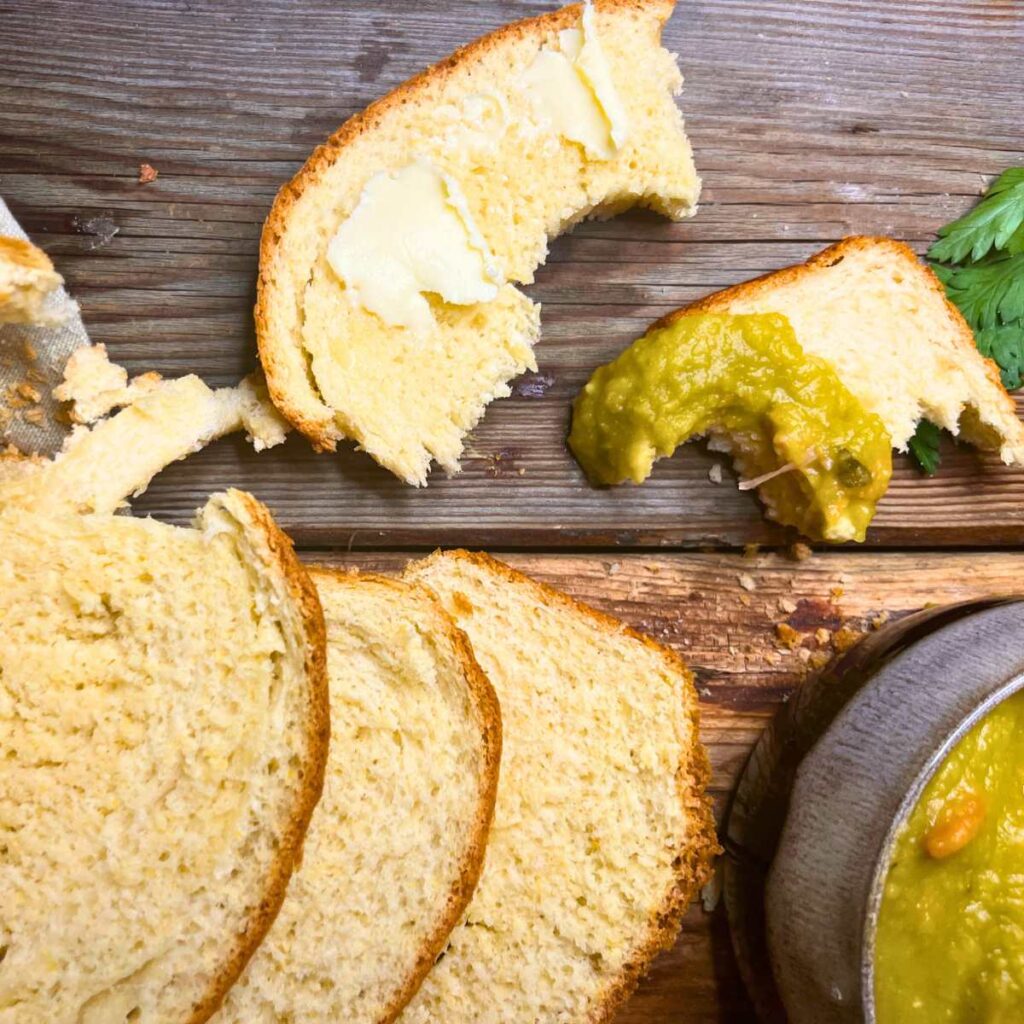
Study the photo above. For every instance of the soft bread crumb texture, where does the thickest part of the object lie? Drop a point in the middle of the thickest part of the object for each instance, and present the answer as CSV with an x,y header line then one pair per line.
x,y
162,741
397,840
881,317
601,835
335,369
95,386
26,278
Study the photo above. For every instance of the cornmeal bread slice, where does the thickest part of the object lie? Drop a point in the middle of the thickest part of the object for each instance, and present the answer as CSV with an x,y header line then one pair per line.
x,y
396,843
163,734
602,833
881,317
489,127
26,278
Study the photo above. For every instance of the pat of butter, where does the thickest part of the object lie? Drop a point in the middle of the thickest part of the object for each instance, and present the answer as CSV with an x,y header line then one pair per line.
x,y
412,233
571,89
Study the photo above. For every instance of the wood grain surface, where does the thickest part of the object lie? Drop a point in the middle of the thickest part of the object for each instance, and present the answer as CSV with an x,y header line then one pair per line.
x,y
809,120
722,612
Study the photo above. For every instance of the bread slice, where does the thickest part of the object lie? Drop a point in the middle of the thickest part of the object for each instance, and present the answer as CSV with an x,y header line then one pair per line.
x,y
881,317
396,844
335,369
26,278
602,833
163,734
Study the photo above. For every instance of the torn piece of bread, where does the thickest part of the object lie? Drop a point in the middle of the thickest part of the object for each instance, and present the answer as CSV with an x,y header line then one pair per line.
x,y
163,735
95,386
100,467
26,278
881,317
602,833
396,843
507,143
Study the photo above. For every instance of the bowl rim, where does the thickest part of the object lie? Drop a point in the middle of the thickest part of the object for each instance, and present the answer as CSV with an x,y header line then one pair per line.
x,y
1012,686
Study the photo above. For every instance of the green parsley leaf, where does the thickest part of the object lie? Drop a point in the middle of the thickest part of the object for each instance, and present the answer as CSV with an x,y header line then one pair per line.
x,y
1004,343
990,291
989,225
924,446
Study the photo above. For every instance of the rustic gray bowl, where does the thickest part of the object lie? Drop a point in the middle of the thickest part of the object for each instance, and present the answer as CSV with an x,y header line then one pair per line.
x,y
853,792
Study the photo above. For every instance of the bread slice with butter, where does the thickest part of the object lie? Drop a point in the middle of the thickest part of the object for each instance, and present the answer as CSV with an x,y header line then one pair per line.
x,y
881,317
26,278
387,307
602,833
396,844
163,735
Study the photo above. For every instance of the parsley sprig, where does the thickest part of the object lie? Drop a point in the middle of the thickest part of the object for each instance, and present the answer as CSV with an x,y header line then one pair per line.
x,y
980,260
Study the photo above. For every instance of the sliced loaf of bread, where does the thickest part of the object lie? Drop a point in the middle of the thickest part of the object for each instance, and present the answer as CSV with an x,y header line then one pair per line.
x,y
518,136
602,833
881,317
396,844
163,735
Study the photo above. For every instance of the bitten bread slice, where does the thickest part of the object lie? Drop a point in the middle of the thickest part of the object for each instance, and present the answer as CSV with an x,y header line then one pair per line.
x,y
396,844
26,278
407,396
163,734
881,317
602,833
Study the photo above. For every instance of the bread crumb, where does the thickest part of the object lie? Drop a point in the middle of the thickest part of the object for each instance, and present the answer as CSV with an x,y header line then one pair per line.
x,y
819,659
746,581
822,635
836,592
800,552
29,393
879,620
715,473
34,416
804,654
28,352
613,568
786,605
750,551
147,173
787,635
845,638
745,600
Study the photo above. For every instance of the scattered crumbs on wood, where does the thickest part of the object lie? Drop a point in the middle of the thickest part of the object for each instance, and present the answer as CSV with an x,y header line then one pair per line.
x,y
746,600
750,551
521,471
786,605
715,473
843,639
804,654
822,635
614,567
147,173
845,577
836,592
746,581
787,635
800,552
879,620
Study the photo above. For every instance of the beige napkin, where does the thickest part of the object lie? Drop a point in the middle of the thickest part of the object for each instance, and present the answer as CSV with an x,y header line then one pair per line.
x,y
34,357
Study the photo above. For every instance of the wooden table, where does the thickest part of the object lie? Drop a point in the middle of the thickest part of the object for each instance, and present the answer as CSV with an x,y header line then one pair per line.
x,y
809,121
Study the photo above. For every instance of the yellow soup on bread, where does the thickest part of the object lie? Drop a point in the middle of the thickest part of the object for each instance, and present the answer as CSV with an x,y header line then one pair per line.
x,y
950,941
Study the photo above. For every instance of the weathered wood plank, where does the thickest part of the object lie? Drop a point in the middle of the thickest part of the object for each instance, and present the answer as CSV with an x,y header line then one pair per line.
x,y
720,612
809,122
